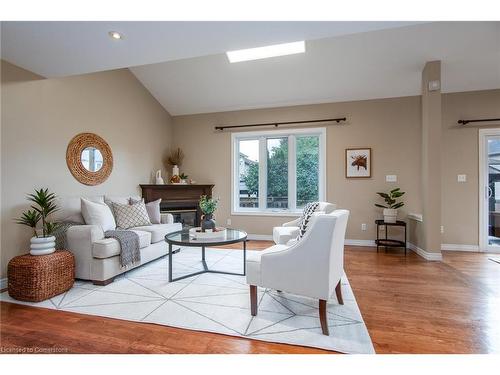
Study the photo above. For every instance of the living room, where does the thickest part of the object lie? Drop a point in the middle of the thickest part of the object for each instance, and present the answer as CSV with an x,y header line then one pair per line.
x,y
262,187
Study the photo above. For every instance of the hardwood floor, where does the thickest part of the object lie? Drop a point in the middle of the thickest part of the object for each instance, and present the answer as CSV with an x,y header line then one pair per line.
x,y
409,306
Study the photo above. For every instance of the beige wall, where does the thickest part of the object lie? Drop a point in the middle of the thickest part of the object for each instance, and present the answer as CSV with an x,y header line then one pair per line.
x,y
460,155
40,116
391,127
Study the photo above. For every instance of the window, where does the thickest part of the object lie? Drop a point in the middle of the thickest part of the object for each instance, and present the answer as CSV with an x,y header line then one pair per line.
x,y
278,172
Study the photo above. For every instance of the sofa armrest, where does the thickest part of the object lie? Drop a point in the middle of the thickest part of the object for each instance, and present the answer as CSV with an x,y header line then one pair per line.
x,y
80,239
293,223
167,219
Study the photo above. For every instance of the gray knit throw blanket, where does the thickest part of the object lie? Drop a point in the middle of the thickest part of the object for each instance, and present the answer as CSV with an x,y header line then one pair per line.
x,y
129,244
60,234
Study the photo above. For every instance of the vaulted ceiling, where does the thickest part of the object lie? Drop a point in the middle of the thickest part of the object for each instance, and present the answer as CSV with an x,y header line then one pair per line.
x,y
184,66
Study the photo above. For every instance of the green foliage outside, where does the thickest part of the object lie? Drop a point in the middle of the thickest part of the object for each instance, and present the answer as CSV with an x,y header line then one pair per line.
x,y
277,176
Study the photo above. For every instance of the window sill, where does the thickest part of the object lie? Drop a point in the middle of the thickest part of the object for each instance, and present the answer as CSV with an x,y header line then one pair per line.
x,y
267,213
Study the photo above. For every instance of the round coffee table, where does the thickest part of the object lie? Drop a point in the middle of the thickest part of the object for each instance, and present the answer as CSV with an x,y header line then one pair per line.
x,y
182,238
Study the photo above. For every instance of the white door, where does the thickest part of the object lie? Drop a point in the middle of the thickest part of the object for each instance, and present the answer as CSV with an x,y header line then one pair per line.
x,y
489,190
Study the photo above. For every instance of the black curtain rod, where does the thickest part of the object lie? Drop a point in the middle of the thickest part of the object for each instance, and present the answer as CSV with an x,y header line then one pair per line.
x,y
276,124
465,122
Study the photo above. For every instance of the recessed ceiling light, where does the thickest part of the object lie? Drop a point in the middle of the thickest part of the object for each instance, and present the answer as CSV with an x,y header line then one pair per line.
x,y
115,35
266,52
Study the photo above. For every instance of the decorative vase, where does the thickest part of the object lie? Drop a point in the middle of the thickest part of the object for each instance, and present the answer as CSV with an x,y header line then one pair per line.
x,y
175,170
42,245
158,178
390,215
207,222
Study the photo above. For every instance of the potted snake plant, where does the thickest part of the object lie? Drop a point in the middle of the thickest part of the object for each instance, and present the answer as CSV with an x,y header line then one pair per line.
x,y
43,242
391,207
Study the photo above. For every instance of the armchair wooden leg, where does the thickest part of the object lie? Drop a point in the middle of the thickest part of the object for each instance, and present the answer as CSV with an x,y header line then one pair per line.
x,y
253,300
322,317
338,292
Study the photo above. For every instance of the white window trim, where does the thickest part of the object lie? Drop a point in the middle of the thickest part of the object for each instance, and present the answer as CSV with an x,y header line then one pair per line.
x,y
261,211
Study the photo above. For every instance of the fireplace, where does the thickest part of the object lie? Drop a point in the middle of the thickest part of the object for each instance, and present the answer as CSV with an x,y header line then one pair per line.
x,y
187,217
179,200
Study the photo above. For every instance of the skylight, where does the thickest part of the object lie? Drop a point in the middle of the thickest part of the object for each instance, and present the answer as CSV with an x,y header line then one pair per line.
x,y
266,52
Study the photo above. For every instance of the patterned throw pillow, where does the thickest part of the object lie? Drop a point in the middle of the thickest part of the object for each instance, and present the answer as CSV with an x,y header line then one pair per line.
x,y
153,209
129,216
309,210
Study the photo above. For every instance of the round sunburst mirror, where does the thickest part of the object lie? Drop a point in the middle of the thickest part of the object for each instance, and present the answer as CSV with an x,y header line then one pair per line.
x,y
89,159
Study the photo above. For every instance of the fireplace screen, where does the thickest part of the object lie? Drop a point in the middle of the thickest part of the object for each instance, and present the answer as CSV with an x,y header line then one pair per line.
x,y
187,217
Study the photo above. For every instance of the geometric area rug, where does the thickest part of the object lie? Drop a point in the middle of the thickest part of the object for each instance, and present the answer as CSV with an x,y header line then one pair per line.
x,y
216,303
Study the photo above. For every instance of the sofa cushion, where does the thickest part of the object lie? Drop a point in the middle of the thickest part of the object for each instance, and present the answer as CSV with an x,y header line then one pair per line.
x,y
129,216
110,247
98,214
159,231
281,235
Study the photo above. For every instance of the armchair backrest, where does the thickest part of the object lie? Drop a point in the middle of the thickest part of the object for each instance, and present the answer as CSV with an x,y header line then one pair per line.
x,y
324,245
326,207
313,266
337,246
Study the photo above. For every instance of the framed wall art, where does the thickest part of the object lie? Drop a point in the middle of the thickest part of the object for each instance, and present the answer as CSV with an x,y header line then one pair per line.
x,y
358,162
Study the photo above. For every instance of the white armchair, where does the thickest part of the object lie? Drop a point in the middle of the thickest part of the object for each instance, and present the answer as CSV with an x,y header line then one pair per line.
x,y
311,267
290,230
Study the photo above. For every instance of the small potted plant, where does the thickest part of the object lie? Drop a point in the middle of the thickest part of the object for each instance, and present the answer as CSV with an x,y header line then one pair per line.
x,y
208,207
44,205
391,207
184,178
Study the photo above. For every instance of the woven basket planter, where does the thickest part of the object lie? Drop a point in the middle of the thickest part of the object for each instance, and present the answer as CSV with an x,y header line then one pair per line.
x,y
37,278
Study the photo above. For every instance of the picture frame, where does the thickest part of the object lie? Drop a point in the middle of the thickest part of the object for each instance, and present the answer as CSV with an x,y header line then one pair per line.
x,y
358,162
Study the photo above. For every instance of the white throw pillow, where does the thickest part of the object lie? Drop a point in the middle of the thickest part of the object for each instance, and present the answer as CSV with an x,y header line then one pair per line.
x,y
98,214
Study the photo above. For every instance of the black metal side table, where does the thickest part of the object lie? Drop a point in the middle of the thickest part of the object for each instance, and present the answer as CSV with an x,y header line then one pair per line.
x,y
390,242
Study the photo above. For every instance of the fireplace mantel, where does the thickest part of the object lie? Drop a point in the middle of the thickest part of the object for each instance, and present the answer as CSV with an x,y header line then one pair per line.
x,y
177,197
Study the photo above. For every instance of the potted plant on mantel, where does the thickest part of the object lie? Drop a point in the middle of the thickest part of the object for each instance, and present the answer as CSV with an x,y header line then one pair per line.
x,y
391,208
44,205
208,207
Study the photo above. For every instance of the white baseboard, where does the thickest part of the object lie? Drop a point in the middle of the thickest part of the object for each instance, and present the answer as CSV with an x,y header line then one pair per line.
x,y
367,243
260,237
425,254
267,237
371,243
3,283
456,247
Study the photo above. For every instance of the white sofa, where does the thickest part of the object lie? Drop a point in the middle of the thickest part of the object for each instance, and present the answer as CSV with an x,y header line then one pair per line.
x,y
290,230
311,267
96,257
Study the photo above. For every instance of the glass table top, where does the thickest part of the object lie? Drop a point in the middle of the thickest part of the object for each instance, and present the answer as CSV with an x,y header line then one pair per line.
x,y
183,237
